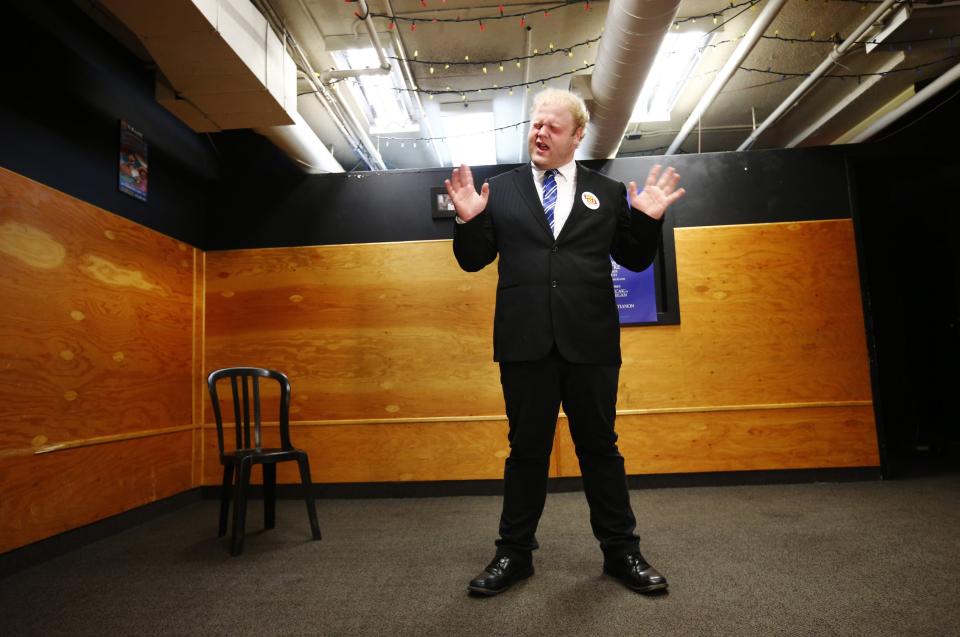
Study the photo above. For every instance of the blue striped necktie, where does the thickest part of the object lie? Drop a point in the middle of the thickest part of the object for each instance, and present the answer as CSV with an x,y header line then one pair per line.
x,y
549,195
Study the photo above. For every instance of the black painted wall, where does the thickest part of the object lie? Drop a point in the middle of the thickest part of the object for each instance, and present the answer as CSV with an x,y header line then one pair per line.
x,y
273,204
906,189
66,85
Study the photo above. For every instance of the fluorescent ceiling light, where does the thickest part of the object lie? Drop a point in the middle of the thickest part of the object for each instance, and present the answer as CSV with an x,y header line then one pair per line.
x,y
469,136
386,107
676,59
893,24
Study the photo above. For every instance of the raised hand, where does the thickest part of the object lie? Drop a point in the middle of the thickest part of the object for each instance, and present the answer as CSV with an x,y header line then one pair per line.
x,y
464,195
658,193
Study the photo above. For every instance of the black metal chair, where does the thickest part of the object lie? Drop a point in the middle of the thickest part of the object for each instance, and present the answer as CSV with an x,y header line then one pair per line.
x,y
238,462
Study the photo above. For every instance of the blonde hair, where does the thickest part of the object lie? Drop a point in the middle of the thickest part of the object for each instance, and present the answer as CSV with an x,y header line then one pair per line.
x,y
572,102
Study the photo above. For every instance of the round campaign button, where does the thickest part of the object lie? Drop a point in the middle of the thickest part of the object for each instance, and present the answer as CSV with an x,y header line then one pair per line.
x,y
590,200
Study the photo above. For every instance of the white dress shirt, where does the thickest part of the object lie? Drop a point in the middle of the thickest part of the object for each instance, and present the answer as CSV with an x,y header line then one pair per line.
x,y
566,189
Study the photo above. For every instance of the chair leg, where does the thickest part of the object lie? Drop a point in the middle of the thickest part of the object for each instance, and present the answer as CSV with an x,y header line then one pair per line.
x,y
269,495
240,506
225,498
307,486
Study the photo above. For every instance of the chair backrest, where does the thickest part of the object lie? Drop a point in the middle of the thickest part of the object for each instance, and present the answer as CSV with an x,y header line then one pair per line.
x,y
242,381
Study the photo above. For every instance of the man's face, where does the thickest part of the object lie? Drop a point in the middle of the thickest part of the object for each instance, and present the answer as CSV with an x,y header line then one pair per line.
x,y
553,139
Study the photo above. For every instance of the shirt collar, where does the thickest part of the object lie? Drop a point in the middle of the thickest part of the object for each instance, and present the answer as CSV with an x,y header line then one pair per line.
x,y
568,170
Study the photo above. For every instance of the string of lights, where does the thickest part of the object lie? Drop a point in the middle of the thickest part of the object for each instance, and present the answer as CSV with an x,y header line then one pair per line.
x,y
858,76
463,93
747,5
783,77
836,38
502,15
552,50
496,87
523,15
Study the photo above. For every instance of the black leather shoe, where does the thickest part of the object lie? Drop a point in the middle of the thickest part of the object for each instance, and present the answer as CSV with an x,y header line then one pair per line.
x,y
635,573
500,574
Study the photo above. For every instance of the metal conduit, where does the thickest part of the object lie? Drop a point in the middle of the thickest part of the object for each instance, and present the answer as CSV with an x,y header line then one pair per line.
x,y
825,66
730,67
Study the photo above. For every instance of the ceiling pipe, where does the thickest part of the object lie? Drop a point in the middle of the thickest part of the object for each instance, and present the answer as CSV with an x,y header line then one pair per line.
x,y
730,67
525,102
402,54
372,31
340,74
825,66
922,96
302,144
383,69
632,35
354,132
846,100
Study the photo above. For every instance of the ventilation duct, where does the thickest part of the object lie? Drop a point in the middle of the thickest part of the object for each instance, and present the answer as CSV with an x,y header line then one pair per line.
x,y
223,68
631,38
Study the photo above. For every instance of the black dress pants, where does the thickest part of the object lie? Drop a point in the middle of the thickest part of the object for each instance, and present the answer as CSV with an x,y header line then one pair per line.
x,y
533,392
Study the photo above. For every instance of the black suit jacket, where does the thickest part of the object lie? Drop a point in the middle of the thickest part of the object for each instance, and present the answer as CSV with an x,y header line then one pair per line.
x,y
556,290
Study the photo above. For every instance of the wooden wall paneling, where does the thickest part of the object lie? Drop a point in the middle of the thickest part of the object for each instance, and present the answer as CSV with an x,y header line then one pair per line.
x,y
387,452
198,384
385,333
50,493
771,314
95,325
740,440
363,331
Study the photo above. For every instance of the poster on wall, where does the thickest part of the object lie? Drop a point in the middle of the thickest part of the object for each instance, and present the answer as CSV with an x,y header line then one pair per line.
x,y
441,205
636,294
133,162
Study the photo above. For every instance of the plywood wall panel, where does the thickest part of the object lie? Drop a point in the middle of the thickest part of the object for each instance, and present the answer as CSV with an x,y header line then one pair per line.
x,y
387,452
97,347
694,442
95,321
50,493
770,315
362,331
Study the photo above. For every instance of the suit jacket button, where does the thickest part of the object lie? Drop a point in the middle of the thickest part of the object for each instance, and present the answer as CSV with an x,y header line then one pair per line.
x,y
554,249
554,283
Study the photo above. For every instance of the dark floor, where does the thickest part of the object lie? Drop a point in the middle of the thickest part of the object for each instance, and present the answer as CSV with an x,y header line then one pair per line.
x,y
860,558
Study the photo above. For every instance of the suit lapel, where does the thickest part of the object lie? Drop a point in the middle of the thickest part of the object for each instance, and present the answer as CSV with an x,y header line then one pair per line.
x,y
523,179
578,210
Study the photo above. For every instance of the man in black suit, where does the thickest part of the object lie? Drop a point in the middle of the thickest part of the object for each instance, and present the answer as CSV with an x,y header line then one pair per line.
x,y
555,224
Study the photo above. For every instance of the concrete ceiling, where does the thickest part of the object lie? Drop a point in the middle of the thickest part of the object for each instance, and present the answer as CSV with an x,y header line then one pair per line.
x,y
324,26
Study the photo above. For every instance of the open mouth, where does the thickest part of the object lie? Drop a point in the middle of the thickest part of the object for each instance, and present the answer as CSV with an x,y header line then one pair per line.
x,y
542,147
